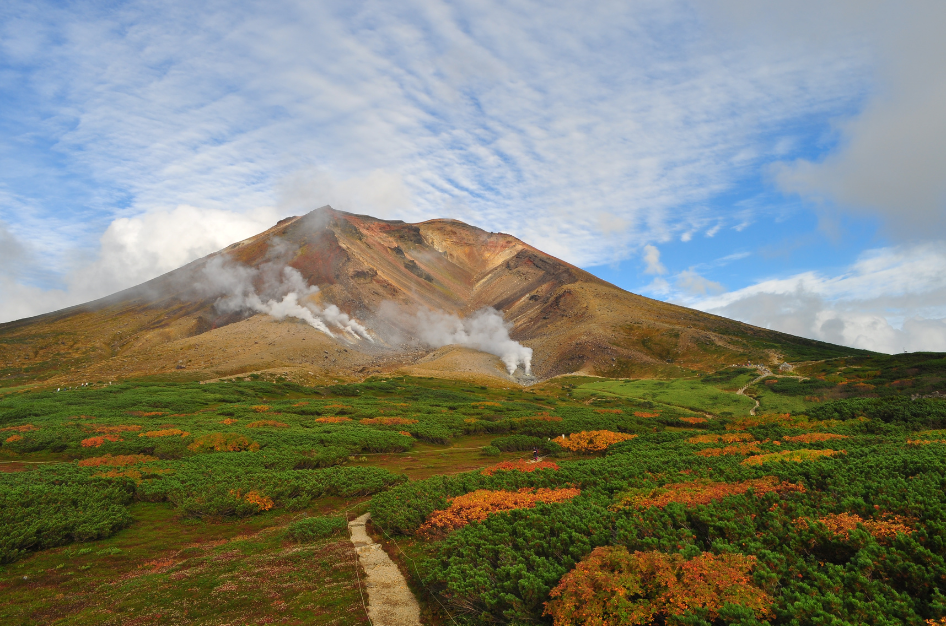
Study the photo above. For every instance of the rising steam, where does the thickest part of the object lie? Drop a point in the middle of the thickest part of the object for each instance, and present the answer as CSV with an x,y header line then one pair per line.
x,y
484,330
275,289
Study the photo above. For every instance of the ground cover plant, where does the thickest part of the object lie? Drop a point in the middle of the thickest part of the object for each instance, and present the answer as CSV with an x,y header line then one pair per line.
x,y
225,496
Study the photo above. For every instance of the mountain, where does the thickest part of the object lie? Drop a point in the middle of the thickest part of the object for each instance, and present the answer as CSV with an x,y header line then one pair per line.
x,y
390,297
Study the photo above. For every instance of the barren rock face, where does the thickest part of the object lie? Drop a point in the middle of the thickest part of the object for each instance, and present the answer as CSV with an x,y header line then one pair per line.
x,y
361,267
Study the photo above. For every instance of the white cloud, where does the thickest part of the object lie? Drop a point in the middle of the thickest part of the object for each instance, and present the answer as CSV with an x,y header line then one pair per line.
x,y
690,282
652,259
889,300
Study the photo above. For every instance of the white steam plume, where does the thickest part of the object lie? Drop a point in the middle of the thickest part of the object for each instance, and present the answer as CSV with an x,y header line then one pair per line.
x,y
275,289
484,330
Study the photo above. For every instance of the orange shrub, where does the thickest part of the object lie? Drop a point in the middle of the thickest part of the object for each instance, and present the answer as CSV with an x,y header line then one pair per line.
x,y
389,421
841,525
300,404
924,442
593,440
25,428
612,411
120,428
745,449
267,424
120,460
332,420
794,456
405,433
168,432
140,413
726,438
813,437
223,442
229,421
264,503
519,465
95,442
260,408
13,438
697,492
478,505
612,587
694,420
643,414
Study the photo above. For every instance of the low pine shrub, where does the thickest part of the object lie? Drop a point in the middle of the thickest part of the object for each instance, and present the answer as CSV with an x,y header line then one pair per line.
x,y
314,528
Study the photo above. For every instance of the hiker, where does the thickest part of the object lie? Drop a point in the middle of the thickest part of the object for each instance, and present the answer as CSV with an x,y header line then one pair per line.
x,y
535,453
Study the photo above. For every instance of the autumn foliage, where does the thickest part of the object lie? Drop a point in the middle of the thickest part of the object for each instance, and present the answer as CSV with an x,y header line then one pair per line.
x,y
813,437
13,438
264,503
25,428
120,460
645,414
260,408
119,428
95,442
167,432
389,421
794,456
593,440
267,424
841,525
519,465
745,449
478,505
694,420
332,420
723,438
612,587
223,442
697,492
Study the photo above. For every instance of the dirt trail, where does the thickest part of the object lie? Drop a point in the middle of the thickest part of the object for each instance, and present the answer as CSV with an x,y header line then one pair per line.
x,y
390,601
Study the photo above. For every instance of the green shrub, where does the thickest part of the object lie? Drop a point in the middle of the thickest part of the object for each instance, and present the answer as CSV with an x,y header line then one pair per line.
x,y
314,528
490,451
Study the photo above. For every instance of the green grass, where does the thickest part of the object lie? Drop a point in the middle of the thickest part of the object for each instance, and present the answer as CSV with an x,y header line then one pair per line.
x,y
687,393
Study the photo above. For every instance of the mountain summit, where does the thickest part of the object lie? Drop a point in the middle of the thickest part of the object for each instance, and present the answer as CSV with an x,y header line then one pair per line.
x,y
335,295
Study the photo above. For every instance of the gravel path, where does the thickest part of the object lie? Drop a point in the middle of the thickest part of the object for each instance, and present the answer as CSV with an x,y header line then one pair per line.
x,y
390,601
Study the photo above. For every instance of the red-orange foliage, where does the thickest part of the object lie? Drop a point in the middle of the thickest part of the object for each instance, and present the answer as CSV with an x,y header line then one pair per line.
x,y
745,449
332,420
229,421
694,420
25,428
140,413
644,414
841,525
924,442
696,492
613,587
168,432
405,433
300,404
120,428
95,442
724,438
13,438
260,408
120,460
813,437
593,440
478,505
519,465
612,411
389,421
267,424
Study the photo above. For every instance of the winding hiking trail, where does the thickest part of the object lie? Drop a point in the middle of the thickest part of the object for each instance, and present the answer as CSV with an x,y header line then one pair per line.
x,y
390,601
742,392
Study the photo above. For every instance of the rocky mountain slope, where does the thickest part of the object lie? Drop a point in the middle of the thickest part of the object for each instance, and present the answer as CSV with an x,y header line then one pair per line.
x,y
388,296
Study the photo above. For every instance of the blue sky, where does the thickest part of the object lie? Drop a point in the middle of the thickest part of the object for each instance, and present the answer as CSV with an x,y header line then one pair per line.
x,y
783,165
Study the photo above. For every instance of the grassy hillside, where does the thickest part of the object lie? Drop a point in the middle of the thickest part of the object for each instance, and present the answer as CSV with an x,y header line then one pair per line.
x,y
179,502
